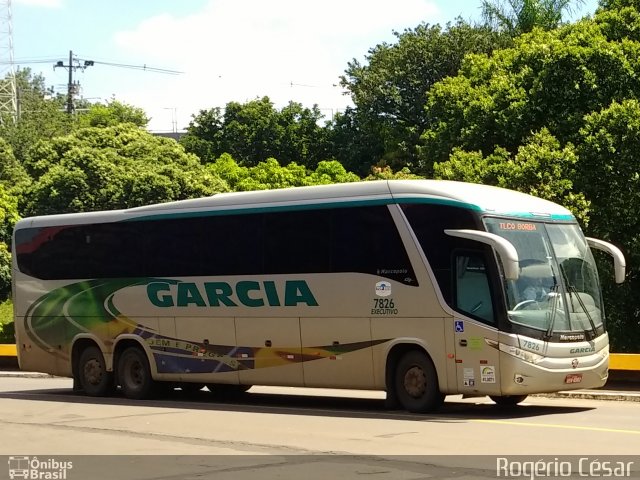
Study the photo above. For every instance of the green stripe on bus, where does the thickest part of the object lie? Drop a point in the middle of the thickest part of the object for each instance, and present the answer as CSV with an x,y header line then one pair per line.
x,y
222,211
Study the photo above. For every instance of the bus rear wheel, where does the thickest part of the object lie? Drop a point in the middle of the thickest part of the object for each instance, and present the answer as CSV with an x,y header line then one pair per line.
x,y
508,400
416,383
93,376
134,374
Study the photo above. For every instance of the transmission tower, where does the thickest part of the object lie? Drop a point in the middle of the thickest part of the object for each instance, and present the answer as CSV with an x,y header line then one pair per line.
x,y
8,89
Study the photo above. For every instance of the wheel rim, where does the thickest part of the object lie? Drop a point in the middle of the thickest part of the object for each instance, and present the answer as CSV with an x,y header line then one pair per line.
x,y
93,372
415,382
135,377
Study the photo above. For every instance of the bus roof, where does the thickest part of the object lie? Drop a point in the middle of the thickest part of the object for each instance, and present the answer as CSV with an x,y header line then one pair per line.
x,y
481,198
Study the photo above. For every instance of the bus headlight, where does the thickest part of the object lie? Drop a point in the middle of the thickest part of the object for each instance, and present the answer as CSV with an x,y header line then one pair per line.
x,y
525,355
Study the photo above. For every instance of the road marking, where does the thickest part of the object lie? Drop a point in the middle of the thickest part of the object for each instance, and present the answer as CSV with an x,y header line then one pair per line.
x,y
553,425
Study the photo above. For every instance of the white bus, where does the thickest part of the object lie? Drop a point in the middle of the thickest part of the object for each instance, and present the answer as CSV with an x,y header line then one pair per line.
x,y
419,288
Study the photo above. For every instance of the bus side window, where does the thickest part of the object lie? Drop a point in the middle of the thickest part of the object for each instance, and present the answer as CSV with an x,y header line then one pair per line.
x,y
473,295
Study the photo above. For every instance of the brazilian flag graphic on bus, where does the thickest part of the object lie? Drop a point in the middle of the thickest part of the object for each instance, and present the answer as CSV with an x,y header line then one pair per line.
x,y
88,307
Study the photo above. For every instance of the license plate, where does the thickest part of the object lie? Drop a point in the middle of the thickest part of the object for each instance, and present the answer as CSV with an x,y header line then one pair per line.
x,y
573,378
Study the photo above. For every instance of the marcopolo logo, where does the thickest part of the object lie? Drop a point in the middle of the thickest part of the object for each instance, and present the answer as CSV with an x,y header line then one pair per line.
x,y
216,294
40,469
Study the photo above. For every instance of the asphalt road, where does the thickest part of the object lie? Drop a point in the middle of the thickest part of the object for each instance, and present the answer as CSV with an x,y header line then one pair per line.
x,y
305,433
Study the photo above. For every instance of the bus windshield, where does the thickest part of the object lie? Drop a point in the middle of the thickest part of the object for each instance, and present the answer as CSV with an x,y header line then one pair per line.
x,y
558,290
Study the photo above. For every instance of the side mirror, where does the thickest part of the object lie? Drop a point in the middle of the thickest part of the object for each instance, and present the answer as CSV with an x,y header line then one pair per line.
x,y
619,263
504,247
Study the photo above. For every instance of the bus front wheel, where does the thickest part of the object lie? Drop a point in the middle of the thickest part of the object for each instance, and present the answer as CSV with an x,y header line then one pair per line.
x,y
416,383
134,374
93,376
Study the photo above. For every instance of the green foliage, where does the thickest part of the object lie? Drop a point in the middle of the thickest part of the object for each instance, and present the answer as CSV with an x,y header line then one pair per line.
x,y
41,115
12,174
7,329
331,171
386,173
270,174
110,168
610,174
540,168
521,16
8,215
5,272
391,90
255,131
578,88
112,114
548,80
204,135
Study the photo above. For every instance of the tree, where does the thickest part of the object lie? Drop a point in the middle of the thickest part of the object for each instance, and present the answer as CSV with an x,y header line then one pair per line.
x,y
111,114
541,167
354,142
516,17
110,168
204,136
577,87
12,174
8,218
547,80
8,215
270,174
386,173
41,115
610,175
390,91
255,131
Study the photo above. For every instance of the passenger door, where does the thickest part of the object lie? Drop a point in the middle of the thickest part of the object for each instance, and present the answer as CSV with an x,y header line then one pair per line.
x,y
477,361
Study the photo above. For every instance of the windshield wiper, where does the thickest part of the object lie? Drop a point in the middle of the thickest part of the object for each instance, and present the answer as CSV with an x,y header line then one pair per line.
x,y
594,329
553,293
572,290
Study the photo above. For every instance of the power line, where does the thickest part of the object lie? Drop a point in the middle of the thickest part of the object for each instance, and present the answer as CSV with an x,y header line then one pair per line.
x,y
76,63
72,87
145,67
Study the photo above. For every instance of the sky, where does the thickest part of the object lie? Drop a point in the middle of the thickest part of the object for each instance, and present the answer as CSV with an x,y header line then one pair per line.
x,y
176,58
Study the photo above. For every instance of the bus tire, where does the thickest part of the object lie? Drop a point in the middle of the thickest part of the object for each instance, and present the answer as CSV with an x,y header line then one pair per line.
x,y
508,400
134,374
93,376
416,383
227,391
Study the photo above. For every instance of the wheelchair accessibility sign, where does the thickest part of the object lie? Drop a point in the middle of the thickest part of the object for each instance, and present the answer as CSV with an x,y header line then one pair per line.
x,y
459,326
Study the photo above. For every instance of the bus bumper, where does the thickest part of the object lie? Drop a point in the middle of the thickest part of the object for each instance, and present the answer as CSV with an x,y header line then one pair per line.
x,y
521,377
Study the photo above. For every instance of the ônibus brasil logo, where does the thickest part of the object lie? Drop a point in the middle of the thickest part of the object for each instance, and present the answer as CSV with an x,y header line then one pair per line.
x,y
40,469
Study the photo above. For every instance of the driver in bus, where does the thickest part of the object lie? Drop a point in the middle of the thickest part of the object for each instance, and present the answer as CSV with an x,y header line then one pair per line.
x,y
535,290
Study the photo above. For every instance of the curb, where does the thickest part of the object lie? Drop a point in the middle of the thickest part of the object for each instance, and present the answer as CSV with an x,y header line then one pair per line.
x,y
594,395
21,374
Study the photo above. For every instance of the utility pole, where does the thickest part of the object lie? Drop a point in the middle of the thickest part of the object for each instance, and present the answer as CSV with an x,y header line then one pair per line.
x,y
72,88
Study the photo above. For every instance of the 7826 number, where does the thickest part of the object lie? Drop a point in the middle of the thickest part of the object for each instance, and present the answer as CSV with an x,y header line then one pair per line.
x,y
383,303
